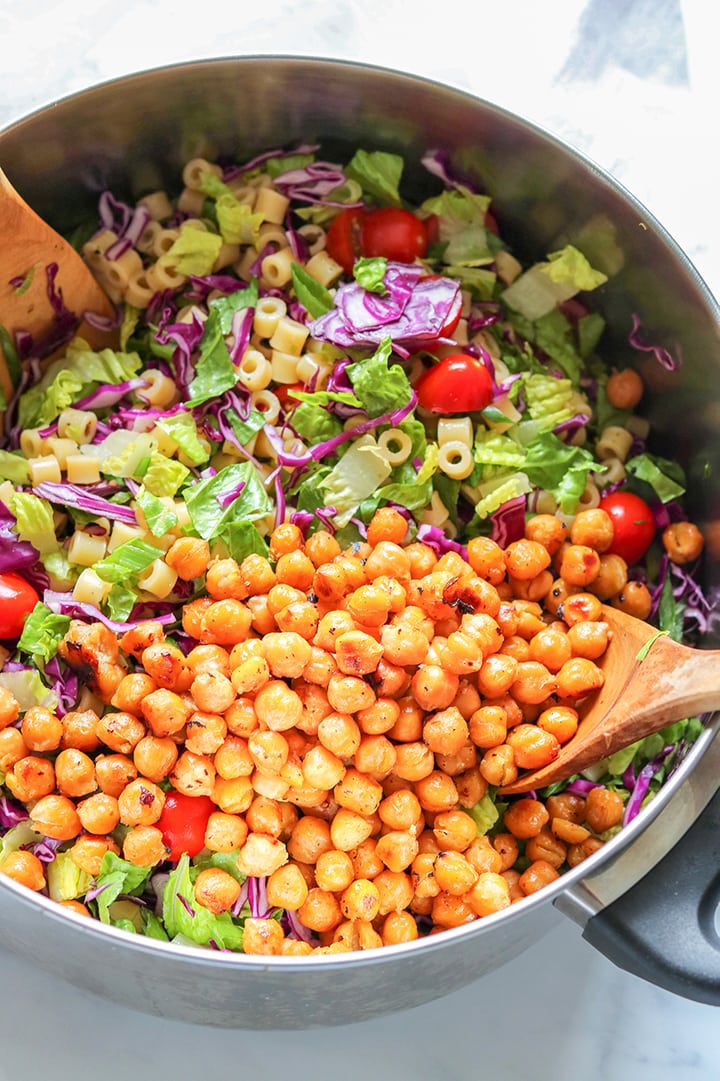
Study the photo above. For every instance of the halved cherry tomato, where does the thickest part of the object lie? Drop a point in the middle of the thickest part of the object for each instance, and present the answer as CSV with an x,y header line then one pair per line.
x,y
394,234
183,823
282,393
633,524
17,600
459,383
343,237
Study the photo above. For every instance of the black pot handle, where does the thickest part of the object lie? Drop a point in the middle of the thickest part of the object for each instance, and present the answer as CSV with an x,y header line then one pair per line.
x,y
666,928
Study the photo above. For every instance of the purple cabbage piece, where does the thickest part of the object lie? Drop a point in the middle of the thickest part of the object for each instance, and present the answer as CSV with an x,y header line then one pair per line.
x,y
508,521
414,310
642,784
65,683
16,555
294,929
11,813
257,897
45,850
313,183
581,787
72,495
237,170
109,394
662,355
434,538
439,164
65,604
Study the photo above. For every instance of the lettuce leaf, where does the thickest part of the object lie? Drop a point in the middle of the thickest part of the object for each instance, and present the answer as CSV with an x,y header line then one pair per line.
x,y
42,633
314,297
378,174
357,475
193,252
214,370
199,924
72,377
380,386
117,876
485,814
127,561
370,274
65,879
34,521
666,478
560,468
160,519
164,476
205,499
181,427
14,467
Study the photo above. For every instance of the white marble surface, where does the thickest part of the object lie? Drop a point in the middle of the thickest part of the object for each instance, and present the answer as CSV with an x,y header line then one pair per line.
x,y
634,84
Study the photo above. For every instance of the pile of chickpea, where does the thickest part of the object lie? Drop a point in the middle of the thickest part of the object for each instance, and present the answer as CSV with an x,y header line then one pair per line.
x,y
344,710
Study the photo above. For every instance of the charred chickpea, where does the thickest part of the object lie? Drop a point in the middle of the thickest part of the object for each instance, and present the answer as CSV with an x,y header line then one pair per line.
x,y
578,677
611,576
166,665
56,816
24,867
41,729
487,559
580,606
547,530
99,813
592,528
577,853
188,557
540,873
12,749
216,890
682,541
589,638
131,691
579,565
31,778
144,846
603,809
634,598
88,851
545,845
121,731
141,803
75,773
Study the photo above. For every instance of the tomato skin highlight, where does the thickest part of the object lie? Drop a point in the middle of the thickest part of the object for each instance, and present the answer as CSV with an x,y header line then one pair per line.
x,y
633,524
393,233
183,823
458,383
17,600
343,237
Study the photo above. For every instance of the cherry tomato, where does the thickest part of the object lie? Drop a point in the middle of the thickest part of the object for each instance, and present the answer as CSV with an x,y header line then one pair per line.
x,y
183,823
394,234
459,383
343,237
491,222
633,523
17,600
282,393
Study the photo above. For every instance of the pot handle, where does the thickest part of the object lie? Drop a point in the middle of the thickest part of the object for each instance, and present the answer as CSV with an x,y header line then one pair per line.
x,y
666,928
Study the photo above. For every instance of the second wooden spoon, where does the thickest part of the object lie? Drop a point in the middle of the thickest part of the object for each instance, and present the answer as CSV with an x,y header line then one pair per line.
x,y
29,245
650,682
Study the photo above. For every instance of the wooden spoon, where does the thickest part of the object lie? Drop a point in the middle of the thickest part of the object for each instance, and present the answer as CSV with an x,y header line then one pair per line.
x,y
650,682
28,246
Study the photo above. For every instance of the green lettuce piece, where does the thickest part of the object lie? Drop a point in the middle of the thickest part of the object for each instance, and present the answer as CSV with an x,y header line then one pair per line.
x,y
553,332
72,377
42,633
590,328
370,274
496,449
214,370
378,174
160,519
277,166
117,876
381,387
62,574
193,252
127,561
245,429
29,689
182,428
570,265
204,499
237,222
14,467
244,539
120,602
671,611
517,484
314,424
355,477
458,205
34,521
65,879
485,814
430,463
560,468
130,320
225,307
12,358
410,494
666,478
200,925
132,459
164,476
152,926
481,282
314,297
16,837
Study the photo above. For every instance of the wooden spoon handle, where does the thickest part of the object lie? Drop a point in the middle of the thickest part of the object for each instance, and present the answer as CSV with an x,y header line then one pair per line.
x,y
29,246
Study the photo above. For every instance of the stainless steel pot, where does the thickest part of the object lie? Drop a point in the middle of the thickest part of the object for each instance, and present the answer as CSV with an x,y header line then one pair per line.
x,y
132,135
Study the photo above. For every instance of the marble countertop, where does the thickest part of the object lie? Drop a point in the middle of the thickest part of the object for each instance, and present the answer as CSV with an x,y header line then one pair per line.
x,y
632,84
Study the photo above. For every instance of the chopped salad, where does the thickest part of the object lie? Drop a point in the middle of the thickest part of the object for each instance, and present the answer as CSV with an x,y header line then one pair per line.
x,y
284,567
